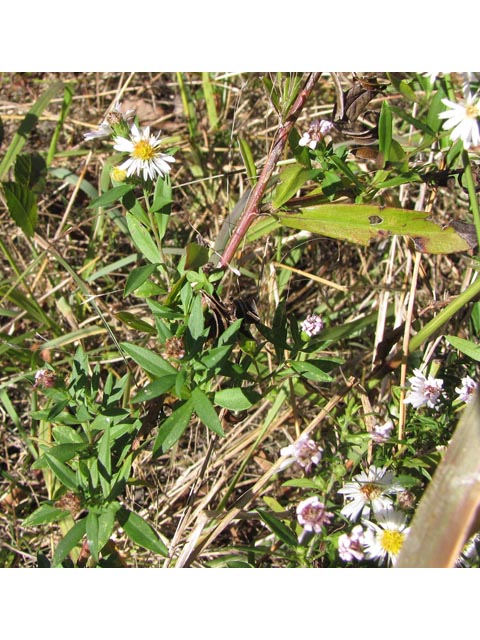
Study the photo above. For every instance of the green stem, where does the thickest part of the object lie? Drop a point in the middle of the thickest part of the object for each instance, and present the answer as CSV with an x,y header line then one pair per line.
x,y
444,316
472,194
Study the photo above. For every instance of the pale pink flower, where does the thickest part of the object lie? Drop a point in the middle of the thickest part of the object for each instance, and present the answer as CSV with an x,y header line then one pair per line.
x,y
312,325
423,390
350,545
466,391
316,132
312,515
304,452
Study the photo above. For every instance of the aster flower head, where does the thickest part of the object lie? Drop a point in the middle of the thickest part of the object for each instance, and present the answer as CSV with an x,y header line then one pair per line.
x,y
350,545
44,378
146,159
384,539
304,452
312,325
423,390
369,491
381,432
317,130
466,391
312,515
462,119
114,122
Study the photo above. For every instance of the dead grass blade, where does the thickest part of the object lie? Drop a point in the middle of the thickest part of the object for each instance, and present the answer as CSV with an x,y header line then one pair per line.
x,y
446,514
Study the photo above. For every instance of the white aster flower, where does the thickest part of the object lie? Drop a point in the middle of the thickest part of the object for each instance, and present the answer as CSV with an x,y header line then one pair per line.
x,y
466,391
463,120
316,132
145,159
312,325
381,432
312,516
304,452
423,390
384,539
350,546
369,491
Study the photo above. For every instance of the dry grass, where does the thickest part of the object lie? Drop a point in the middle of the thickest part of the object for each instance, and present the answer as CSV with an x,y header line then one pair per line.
x,y
180,492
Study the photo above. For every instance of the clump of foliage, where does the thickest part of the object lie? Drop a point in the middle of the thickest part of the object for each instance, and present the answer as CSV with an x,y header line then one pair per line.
x,y
246,340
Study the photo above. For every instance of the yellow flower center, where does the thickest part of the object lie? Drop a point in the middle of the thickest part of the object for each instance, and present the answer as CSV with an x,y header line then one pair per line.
x,y
143,150
472,111
392,541
370,491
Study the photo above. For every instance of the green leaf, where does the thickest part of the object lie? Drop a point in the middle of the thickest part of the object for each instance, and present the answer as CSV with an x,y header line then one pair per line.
x,y
206,411
22,204
105,462
136,323
196,321
112,195
248,160
466,347
142,239
385,131
361,223
310,371
155,389
209,95
284,533
237,398
140,532
148,360
26,127
137,277
292,178
173,427
99,528
44,514
30,171
195,256
62,472
70,541
214,357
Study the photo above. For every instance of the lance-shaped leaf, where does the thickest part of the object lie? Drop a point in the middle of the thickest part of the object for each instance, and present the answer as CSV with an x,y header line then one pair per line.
x,y
360,223
447,513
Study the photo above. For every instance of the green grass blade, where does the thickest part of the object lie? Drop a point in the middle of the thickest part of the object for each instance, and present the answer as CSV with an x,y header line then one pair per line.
x,y
26,127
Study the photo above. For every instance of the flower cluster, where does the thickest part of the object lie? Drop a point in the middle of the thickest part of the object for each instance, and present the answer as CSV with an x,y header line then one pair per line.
x,y
466,391
317,130
145,159
381,432
312,515
312,325
305,452
423,390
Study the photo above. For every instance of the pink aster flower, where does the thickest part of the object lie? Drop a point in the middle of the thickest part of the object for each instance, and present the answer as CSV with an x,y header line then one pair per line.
x,y
312,516
316,132
466,391
350,546
423,390
312,325
381,432
304,452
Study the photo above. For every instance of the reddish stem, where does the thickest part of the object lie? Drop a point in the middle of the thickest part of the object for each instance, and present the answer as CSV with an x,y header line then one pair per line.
x,y
251,209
